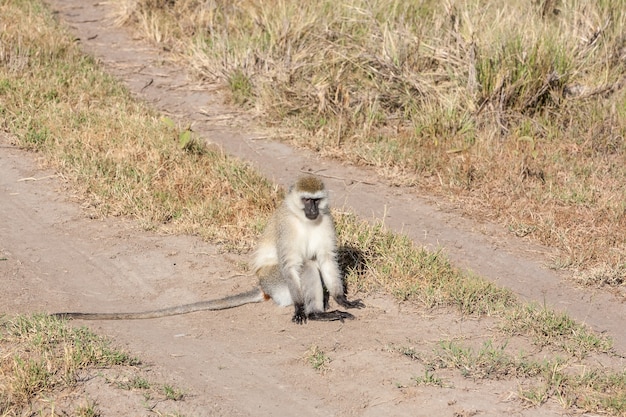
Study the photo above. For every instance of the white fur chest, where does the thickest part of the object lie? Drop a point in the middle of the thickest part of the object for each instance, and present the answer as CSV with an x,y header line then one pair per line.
x,y
317,238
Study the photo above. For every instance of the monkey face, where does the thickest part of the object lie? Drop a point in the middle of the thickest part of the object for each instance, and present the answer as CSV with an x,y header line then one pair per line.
x,y
311,207
308,195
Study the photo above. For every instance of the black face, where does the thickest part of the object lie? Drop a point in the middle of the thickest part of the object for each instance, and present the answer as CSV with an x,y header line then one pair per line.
x,y
311,210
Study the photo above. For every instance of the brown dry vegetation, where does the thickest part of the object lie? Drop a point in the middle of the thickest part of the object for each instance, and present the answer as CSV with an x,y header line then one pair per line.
x,y
514,110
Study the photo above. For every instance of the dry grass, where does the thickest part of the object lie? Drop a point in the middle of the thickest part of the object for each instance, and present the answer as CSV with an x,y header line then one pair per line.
x,y
515,111
41,355
44,360
585,388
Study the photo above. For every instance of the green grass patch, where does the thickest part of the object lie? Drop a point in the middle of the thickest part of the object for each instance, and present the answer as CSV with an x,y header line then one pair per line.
x,y
547,327
318,359
396,265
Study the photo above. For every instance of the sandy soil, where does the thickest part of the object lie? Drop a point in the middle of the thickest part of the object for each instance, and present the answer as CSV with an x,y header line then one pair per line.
x,y
250,361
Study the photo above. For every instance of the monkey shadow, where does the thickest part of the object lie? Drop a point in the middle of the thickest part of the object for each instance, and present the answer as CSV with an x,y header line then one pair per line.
x,y
352,260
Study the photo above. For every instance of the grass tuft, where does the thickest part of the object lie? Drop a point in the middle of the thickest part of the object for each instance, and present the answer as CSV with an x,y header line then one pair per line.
x,y
42,354
318,359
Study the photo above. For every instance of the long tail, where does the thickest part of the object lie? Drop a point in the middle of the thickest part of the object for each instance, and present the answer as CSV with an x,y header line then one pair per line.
x,y
252,296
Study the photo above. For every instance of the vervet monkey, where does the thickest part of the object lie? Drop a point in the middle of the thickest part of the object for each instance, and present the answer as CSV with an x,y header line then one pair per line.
x,y
295,261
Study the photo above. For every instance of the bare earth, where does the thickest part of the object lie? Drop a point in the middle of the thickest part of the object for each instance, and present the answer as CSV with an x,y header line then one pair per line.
x,y
251,361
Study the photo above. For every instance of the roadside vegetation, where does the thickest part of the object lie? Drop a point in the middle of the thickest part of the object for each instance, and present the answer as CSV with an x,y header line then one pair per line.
x,y
513,110
43,357
542,378
126,160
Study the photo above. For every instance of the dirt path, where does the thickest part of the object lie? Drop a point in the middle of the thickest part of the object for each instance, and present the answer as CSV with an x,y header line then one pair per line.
x,y
249,361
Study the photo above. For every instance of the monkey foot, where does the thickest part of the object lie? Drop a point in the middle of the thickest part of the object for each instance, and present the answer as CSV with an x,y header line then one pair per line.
x,y
343,301
331,316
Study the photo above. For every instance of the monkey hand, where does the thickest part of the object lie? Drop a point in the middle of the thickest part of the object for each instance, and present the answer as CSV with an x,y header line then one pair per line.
x,y
343,301
299,317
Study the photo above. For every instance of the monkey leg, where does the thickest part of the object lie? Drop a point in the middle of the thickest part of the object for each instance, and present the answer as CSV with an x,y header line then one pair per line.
x,y
312,288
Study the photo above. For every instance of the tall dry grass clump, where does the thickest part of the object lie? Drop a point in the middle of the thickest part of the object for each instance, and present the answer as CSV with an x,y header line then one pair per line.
x,y
515,109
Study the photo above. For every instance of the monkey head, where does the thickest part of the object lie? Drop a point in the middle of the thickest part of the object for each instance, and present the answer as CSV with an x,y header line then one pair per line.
x,y
309,195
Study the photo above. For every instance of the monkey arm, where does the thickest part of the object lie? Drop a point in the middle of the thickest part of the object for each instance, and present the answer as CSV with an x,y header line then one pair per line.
x,y
290,273
329,269
334,283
